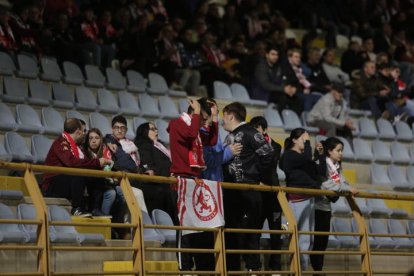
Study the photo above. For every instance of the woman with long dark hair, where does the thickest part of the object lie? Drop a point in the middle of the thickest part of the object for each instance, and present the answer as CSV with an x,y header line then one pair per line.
x,y
302,172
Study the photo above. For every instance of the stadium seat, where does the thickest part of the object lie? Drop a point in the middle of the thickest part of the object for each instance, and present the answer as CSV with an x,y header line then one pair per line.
x,y
115,79
367,128
7,66
398,179
52,121
136,82
399,153
362,204
40,147
183,105
7,119
340,224
348,153
273,118
400,227
10,232
240,93
163,134
73,74
381,152
377,208
404,132
85,99
28,119
63,96
161,217
131,132
280,174
385,129
99,121
342,41
222,91
320,138
4,156
94,76
28,212
341,207
77,115
11,194
290,120
139,121
168,108
107,101
149,106
304,118
378,226
17,147
410,176
27,66
15,90
128,104
158,86
50,69
151,234
40,93
379,175
362,150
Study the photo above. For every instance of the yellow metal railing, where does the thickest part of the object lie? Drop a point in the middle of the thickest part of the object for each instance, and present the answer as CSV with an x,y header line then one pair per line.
x,y
138,248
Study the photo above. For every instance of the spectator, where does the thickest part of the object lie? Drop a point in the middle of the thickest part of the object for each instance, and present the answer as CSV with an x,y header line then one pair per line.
x,y
66,152
252,165
231,26
156,157
313,71
333,72
187,143
383,40
332,148
302,172
367,52
351,59
25,34
271,209
329,114
7,38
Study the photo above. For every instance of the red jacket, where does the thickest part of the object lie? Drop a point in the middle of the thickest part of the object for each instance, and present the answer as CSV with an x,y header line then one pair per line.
x,y
181,140
61,155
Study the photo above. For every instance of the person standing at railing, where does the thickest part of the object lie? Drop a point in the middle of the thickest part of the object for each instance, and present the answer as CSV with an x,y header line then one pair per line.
x,y
66,152
332,148
243,208
186,143
302,172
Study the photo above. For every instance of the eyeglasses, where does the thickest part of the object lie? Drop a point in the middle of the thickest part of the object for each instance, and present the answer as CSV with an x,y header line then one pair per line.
x,y
120,128
153,128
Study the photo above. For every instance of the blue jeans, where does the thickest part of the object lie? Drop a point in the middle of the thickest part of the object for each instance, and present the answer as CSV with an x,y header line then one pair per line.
x,y
109,197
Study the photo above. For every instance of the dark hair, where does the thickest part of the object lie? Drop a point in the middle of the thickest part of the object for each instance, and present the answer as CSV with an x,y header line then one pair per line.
x,y
331,143
294,134
237,109
259,121
326,51
270,47
119,119
204,106
88,150
142,133
71,125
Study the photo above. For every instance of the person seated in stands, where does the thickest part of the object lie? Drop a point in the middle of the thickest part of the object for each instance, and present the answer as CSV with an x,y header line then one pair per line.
x,y
25,34
156,156
7,37
66,152
314,72
333,72
351,59
329,114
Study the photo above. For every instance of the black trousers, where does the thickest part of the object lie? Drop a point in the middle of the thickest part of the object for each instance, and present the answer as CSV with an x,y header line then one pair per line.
x,y
243,209
202,261
70,187
320,243
273,213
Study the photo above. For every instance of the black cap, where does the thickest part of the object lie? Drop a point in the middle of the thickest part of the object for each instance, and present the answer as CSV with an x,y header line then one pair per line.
x,y
339,87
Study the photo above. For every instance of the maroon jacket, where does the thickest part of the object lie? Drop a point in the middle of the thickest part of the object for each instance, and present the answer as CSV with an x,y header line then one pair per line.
x,y
61,155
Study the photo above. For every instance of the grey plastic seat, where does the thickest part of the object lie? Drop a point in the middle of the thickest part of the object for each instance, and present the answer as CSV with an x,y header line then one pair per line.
x,y
94,76
17,147
77,115
149,106
99,121
168,108
139,121
400,227
280,174
7,119
320,138
385,129
163,134
348,153
10,232
273,118
28,212
410,176
341,207
367,128
73,74
40,147
11,194
377,208
158,86
304,117
40,93
63,96
15,90
183,105
52,121
58,213
362,150
128,104
161,217
136,82
377,226
398,179
381,152
240,92
28,119
50,69
290,120
107,101
222,91
27,66
85,99
411,149
151,234
4,156
115,79
7,66
399,153
362,204
379,175
340,224
404,132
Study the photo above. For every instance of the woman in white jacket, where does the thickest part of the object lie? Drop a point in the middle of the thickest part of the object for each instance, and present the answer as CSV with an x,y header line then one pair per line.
x,y
332,148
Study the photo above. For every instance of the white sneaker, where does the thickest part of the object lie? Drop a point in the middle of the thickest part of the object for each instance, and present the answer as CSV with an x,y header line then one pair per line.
x,y
250,270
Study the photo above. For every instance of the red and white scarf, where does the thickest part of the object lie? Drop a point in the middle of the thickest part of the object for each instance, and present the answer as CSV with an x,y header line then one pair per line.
x,y
195,155
333,170
163,149
129,147
74,148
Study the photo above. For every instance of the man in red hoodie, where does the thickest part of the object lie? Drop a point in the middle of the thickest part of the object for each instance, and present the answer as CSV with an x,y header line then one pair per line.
x,y
186,143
